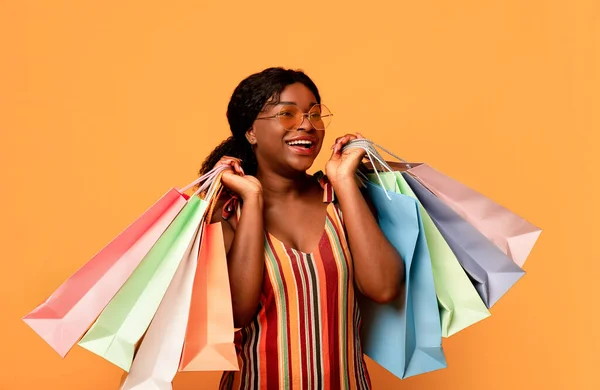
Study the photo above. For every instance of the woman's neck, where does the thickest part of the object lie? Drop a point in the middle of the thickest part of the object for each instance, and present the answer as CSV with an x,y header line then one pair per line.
x,y
276,186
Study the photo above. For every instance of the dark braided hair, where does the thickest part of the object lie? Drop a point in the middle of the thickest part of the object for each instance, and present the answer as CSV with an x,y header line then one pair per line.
x,y
249,98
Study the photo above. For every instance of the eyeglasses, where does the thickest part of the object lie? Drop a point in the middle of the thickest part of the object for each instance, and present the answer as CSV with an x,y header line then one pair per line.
x,y
291,117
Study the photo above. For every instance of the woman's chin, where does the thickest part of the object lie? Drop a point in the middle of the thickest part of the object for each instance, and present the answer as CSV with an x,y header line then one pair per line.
x,y
301,164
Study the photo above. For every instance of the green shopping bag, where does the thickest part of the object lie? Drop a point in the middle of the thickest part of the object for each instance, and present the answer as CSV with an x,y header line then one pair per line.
x,y
460,304
117,331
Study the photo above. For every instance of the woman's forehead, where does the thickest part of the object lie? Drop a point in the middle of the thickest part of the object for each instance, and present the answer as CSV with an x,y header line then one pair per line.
x,y
297,94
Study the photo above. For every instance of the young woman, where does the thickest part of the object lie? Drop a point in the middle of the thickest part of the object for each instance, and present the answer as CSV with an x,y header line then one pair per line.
x,y
298,246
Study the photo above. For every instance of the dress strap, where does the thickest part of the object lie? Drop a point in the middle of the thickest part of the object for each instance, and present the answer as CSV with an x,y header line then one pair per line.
x,y
328,193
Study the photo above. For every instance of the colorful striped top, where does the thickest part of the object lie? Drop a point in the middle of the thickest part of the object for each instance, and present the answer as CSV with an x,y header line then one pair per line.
x,y
306,334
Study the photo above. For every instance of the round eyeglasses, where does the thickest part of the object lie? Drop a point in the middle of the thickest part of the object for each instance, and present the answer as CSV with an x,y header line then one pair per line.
x,y
291,117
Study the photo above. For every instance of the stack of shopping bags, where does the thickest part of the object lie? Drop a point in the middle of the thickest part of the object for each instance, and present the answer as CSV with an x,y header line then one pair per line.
x,y
151,301
462,253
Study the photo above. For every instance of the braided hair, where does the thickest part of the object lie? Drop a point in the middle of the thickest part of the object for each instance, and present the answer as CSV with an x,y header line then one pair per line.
x,y
248,99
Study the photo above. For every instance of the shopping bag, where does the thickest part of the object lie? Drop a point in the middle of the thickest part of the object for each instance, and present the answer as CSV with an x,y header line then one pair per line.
x,y
68,313
156,361
210,332
404,336
511,233
459,303
117,331
158,357
491,271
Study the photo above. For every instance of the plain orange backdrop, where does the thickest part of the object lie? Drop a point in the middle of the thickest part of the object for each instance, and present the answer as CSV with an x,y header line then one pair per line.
x,y
105,105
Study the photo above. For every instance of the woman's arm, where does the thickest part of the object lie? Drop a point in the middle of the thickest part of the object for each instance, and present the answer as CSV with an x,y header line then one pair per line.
x,y
244,242
378,267
244,245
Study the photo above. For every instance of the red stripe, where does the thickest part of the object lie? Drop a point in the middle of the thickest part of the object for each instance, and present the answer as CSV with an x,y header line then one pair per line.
x,y
272,350
311,332
360,366
245,378
301,305
262,345
332,288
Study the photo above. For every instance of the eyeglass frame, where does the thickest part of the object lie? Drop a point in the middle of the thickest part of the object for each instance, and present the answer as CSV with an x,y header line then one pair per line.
x,y
304,115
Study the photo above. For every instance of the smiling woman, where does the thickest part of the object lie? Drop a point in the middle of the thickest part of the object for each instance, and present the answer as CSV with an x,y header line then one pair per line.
x,y
294,253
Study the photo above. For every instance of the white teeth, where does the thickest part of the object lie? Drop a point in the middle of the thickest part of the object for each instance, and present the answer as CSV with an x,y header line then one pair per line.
x,y
300,142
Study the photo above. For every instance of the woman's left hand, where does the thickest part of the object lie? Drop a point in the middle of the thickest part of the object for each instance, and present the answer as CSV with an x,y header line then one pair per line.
x,y
342,165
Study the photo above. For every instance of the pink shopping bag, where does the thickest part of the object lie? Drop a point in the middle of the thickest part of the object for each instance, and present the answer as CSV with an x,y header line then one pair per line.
x,y
508,231
69,312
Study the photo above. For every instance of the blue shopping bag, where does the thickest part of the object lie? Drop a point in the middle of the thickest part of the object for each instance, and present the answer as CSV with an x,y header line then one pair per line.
x,y
404,336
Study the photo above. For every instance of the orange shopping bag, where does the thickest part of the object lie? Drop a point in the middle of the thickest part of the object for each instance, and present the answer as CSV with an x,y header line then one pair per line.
x,y
209,337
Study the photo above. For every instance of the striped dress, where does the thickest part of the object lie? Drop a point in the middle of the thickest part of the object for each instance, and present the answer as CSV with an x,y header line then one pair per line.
x,y
306,334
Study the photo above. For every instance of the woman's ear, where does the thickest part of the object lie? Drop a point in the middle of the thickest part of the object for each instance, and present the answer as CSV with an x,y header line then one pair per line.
x,y
251,136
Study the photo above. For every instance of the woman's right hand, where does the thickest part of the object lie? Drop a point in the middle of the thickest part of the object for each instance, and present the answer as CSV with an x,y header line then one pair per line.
x,y
237,181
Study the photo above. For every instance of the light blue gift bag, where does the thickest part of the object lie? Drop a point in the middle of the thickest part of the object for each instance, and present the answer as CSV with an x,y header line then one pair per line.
x,y
404,336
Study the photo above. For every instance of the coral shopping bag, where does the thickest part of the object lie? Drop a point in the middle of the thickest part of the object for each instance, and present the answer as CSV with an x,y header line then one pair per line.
x,y
210,332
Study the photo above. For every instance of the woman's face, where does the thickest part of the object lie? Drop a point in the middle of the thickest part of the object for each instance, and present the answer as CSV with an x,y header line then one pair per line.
x,y
287,151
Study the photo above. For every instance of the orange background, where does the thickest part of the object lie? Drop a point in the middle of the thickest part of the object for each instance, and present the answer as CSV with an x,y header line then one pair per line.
x,y
105,105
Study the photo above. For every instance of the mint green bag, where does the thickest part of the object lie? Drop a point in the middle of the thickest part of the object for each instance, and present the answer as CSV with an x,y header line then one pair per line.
x,y
117,331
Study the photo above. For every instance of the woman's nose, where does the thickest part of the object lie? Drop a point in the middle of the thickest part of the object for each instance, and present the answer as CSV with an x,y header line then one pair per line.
x,y
306,124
